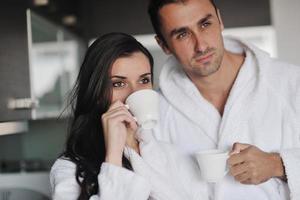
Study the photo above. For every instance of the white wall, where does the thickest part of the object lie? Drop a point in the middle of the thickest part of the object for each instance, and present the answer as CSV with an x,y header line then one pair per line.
x,y
286,20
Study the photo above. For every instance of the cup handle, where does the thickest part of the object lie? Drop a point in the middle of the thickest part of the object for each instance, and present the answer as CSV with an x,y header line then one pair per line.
x,y
226,172
227,168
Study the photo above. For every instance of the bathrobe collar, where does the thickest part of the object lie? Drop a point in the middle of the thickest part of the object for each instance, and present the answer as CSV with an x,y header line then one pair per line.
x,y
183,95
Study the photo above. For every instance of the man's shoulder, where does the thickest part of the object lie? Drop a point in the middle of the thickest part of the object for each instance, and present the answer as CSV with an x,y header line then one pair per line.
x,y
281,65
160,131
163,102
283,79
282,72
164,107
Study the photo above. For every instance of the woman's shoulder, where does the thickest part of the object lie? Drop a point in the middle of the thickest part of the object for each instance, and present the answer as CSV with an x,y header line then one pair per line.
x,y
63,162
63,179
62,168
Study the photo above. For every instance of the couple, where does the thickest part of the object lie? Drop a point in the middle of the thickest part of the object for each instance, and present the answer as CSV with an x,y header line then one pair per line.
x,y
215,93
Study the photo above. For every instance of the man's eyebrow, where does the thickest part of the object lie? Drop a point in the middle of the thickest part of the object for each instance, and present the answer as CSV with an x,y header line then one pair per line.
x,y
207,17
177,31
183,29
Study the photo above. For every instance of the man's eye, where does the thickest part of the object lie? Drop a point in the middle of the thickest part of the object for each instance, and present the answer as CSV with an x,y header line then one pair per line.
x,y
182,35
145,80
205,24
118,84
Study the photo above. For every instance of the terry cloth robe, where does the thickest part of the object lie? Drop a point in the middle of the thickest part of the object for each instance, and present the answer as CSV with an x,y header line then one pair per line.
x,y
160,173
263,109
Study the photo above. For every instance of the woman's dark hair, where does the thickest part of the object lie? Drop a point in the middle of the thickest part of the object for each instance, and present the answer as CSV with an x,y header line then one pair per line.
x,y
91,97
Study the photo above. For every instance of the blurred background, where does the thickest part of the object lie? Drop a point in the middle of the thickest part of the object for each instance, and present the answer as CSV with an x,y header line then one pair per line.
x,y
42,43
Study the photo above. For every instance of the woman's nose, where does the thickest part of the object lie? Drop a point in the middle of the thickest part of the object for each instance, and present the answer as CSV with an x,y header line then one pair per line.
x,y
137,87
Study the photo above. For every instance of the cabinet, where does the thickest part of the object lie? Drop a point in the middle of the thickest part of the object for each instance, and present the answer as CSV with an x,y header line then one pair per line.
x,y
54,59
14,63
39,62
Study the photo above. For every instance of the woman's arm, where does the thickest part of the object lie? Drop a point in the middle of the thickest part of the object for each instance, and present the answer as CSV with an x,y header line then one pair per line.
x,y
115,183
63,181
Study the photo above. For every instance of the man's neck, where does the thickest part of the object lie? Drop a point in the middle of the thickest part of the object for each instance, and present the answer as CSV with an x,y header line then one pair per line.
x,y
216,87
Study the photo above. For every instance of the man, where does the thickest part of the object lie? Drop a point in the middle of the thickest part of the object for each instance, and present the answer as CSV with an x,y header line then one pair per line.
x,y
227,94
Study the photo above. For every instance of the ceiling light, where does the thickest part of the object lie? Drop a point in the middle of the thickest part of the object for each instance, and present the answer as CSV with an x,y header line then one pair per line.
x,y
69,20
40,2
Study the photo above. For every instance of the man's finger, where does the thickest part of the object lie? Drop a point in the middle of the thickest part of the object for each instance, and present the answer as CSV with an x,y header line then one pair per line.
x,y
244,177
238,169
236,159
238,147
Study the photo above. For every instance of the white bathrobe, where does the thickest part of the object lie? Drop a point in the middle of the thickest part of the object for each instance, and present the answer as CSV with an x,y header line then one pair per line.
x,y
162,173
263,109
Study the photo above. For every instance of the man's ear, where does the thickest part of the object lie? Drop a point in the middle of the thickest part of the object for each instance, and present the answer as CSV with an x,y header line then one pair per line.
x,y
220,19
162,45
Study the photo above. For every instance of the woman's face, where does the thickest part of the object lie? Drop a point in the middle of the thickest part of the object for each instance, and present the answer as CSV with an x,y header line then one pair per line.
x,y
130,74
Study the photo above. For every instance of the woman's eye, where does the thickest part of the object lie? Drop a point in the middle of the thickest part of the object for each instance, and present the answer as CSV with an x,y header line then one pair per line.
x,y
118,84
145,80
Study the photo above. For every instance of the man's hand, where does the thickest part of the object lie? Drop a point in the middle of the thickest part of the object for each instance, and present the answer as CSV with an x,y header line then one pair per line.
x,y
250,165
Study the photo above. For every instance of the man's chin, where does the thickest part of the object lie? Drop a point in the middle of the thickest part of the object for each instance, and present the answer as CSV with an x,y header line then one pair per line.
x,y
204,71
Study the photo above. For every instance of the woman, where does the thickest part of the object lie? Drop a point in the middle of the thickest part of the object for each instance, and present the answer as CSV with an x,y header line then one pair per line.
x,y
93,165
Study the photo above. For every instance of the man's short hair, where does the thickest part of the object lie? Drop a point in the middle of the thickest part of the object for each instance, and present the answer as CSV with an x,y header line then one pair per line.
x,y
153,11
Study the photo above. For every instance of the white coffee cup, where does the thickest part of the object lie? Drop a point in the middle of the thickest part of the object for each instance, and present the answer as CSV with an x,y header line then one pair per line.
x,y
213,164
144,105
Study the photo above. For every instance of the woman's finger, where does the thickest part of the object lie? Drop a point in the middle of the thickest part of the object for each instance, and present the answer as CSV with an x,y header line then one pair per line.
x,y
122,117
114,111
117,111
116,104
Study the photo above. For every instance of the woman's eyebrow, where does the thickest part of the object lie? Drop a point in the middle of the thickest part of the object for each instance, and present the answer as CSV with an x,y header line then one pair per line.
x,y
146,74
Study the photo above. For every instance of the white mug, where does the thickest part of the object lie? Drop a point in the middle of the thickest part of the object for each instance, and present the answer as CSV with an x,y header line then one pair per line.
x,y
144,105
213,164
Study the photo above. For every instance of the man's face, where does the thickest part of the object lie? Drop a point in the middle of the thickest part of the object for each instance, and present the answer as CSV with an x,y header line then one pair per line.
x,y
192,31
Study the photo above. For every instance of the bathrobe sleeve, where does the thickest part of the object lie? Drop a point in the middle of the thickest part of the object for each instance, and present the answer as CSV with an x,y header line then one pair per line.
x,y
114,183
291,161
291,156
291,132
172,174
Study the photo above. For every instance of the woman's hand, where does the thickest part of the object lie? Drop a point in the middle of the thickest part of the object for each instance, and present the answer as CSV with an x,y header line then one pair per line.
x,y
117,122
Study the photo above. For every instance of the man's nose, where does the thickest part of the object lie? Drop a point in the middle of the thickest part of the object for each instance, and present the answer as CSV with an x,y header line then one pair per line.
x,y
200,43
